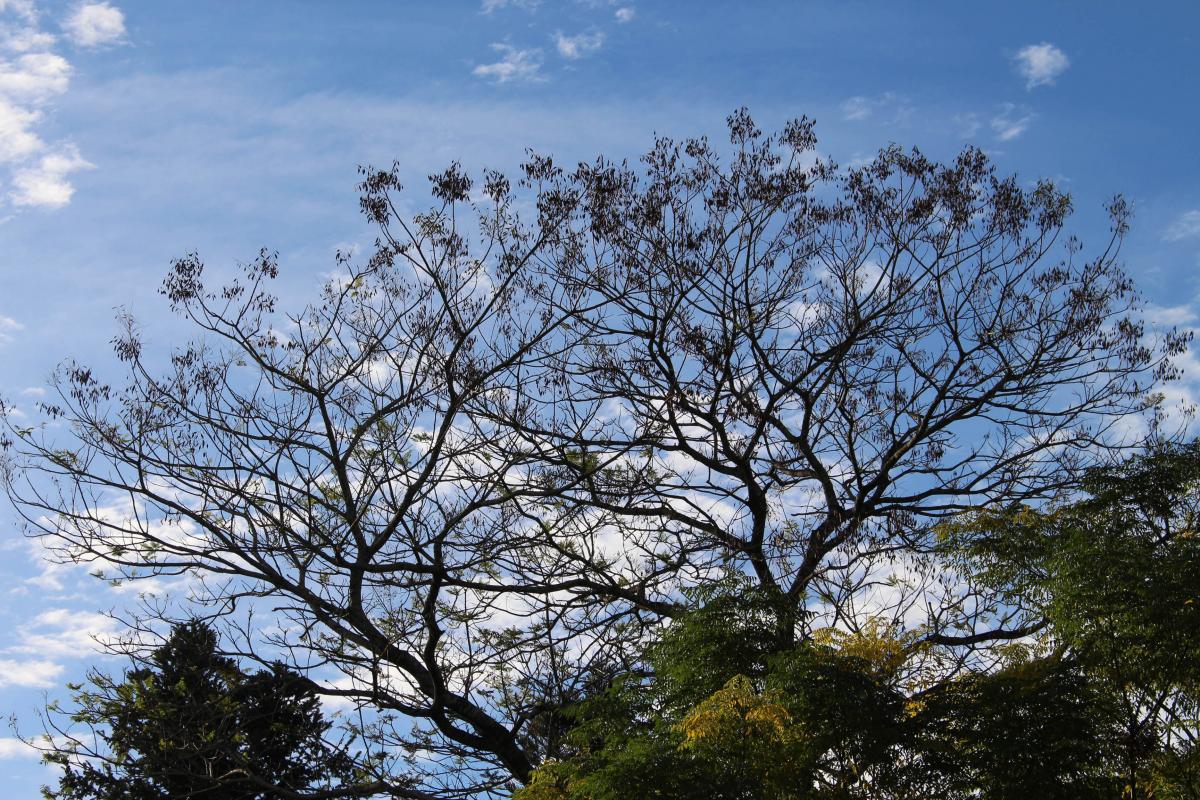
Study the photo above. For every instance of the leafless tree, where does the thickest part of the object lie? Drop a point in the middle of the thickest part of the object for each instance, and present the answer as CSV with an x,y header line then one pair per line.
x,y
479,472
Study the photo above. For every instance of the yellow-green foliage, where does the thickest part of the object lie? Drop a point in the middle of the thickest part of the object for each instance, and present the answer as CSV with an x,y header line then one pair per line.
x,y
749,734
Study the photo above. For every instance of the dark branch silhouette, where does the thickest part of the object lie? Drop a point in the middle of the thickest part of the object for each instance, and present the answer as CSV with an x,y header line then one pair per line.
x,y
484,467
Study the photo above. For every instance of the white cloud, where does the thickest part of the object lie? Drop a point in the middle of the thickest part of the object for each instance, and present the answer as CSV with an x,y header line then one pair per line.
x,y
44,183
856,108
8,327
33,391
95,25
50,578
17,139
515,65
64,633
1185,227
24,39
1011,122
13,748
34,76
1177,316
34,674
491,5
1040,64
625,14
31,76
860,107
578,46
22,8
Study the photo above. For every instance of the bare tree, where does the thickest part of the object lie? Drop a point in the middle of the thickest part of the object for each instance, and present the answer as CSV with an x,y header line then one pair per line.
x,y
490,461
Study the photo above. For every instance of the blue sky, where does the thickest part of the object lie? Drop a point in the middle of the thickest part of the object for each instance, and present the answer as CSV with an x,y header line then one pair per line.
x,y
133,132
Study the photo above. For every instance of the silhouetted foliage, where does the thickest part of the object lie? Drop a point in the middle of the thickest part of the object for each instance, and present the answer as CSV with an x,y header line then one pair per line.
x,y
192,724
1115,577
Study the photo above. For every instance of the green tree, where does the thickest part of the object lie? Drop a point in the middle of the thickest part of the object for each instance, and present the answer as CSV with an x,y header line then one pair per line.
x,y
1100,699
1115,578
192,724
831,718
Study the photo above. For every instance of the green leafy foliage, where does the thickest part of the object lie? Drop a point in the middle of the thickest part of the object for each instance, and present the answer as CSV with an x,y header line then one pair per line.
x,y
826,721
1039,729
1116,578
191,723
1117,575
729,713
1103,705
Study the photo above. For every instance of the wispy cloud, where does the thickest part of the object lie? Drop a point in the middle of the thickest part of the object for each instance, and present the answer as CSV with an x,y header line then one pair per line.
x,y
1011,122
1040,64
860,107
24,38
32,77
857,108
23,9
625,14
491,5
968,124
1185,226
34,673
1179,316
514,65
64,633
13,748
9,327
578,46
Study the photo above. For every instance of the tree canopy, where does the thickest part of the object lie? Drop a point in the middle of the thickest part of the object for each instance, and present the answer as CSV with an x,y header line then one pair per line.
x,y
1101,703
543,419
191,723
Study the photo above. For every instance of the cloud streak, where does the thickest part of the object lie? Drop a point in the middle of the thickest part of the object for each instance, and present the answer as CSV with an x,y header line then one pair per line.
x,y
8,328
860,108
1011,122
489,6
514,66
1186,226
